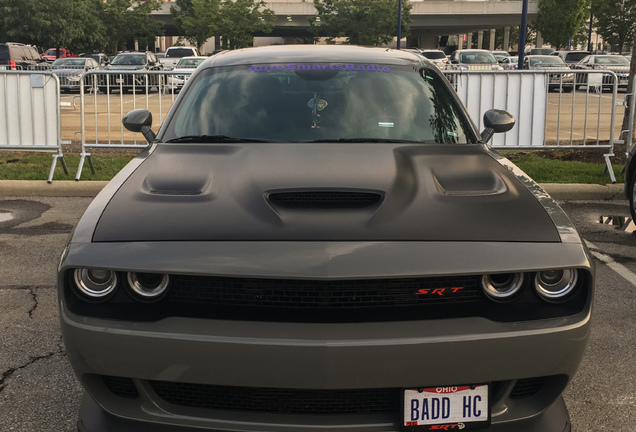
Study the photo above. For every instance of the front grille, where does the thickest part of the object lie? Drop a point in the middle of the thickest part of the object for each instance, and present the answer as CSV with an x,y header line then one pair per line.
x,y
270,400
325,199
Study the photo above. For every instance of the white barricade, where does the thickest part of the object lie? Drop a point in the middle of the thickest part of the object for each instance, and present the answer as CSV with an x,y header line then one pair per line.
x,y
30,113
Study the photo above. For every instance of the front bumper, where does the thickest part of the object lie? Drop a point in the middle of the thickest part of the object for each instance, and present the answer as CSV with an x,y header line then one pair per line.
x,y
319,357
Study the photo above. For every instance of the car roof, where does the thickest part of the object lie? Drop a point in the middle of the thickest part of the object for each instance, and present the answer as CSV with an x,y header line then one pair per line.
x,y
313,54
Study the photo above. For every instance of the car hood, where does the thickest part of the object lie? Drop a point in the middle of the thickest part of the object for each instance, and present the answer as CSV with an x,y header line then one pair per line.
x,y
68,72
320,192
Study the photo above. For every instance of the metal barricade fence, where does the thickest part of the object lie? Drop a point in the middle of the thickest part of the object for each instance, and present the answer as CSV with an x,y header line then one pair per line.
x,y
111,94
30,113
550,112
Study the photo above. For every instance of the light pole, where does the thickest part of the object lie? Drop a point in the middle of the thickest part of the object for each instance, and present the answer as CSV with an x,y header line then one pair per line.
x,y
522,33
399,36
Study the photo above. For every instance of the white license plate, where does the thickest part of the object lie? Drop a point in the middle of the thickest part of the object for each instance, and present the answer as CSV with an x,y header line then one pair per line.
x,y
446,408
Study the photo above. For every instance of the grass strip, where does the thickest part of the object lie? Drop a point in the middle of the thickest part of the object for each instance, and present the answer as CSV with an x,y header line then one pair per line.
x,y
36,166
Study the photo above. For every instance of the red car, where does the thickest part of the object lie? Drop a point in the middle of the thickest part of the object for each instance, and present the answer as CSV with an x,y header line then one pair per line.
x,y
51,54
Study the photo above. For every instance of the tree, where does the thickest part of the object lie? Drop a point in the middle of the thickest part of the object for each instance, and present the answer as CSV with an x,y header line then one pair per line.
x,y
73,24
197,20
131,20
559,20
362,22
615,21
240,19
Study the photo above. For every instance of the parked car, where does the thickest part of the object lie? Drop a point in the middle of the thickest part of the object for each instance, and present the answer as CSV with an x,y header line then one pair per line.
x,y
540,51
615,63
437,57
70,70
187,65
318,239
562,78
630,181
174,54
571,58
52,53
125,81
509,63
100,58
473,59
17,56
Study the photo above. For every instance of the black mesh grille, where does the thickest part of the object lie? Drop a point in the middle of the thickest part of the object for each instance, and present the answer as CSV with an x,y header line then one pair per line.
x,y
124,387
279,400
317,294
325,199
324,300
526,387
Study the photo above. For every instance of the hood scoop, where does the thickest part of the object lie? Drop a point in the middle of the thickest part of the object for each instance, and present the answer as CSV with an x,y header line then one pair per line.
x,y
324,199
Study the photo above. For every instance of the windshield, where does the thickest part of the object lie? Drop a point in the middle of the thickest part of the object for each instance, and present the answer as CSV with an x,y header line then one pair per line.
x,y
477,58
72,63
320,102
179,52
138,60
612,60
434,55
549,61
189,63
575,57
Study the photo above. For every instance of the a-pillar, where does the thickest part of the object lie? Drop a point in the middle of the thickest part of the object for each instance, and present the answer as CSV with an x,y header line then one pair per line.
x,y
480,39
492,39
506,42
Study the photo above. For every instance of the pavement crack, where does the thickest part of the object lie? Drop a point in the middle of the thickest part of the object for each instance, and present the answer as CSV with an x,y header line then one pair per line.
x,y
8,373
35,303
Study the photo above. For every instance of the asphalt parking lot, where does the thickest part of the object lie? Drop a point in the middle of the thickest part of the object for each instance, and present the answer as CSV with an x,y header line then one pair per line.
x,y
38,391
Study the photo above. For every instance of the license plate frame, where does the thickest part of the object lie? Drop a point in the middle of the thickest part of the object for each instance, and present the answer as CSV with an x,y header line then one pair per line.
x,y
448,399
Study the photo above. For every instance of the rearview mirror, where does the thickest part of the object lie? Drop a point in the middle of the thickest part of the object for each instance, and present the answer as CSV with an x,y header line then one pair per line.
x,y
140,120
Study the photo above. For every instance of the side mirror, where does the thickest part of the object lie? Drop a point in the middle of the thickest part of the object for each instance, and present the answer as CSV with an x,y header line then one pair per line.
x,y
140,120
496,121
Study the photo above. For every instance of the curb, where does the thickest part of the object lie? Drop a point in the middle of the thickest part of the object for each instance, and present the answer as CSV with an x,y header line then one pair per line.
x,y
68,188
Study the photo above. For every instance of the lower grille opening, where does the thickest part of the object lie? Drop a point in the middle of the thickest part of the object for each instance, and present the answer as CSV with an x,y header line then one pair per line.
x,y
526,388
123,387
287,401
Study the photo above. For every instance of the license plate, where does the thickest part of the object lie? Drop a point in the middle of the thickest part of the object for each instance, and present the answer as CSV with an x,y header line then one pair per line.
x,y
119,81
446,408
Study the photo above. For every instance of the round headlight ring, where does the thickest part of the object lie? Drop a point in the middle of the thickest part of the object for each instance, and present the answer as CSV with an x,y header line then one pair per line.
x,y
95,283
149,286
502,286
555,285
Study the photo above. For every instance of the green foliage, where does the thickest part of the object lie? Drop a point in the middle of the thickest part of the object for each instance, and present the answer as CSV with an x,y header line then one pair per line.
x,y
240,19
235,20
615,21
560,20
79,25
197,20
362,22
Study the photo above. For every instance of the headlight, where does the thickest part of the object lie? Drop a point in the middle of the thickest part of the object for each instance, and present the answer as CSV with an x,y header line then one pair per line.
x,y
502,286
554,285
95,283
148,285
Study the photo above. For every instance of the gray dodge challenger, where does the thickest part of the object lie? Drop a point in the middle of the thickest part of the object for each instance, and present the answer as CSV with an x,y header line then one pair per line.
x,y
319,239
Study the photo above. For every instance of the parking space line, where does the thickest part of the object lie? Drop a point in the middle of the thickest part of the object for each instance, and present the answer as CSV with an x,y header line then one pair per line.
x,y
623,271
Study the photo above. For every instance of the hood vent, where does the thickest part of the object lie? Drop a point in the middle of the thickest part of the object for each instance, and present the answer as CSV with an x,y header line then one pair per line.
x,y
332,199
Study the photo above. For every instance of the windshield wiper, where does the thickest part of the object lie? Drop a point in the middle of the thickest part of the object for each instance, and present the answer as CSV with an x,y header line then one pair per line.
x,y
214,139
